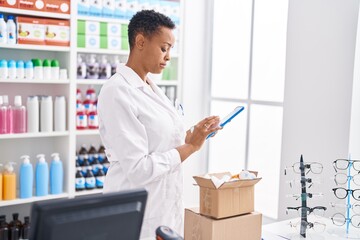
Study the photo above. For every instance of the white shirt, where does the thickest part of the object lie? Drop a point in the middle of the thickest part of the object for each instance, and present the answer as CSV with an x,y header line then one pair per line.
x,y
140,129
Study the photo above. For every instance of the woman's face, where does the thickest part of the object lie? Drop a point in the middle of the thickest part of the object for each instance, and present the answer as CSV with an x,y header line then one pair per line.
x,y
156,51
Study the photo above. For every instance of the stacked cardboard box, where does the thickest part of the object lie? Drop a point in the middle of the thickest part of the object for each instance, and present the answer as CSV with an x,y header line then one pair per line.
x,y
55,6
226,212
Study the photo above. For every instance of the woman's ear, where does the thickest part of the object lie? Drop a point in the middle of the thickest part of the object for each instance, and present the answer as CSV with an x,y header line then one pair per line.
x,y
139,41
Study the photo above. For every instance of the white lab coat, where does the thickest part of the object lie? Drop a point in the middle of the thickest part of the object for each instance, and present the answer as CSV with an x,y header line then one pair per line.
x,y
140,129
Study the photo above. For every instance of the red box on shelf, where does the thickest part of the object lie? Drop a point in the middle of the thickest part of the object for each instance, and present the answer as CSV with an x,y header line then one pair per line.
x,y
57,32
34,5
9,3
31,30
57,6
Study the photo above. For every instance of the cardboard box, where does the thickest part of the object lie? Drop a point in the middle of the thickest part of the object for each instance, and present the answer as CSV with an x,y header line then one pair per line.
x,y
31,30
114,43
243,227
57,32
57,6
9,3
230,199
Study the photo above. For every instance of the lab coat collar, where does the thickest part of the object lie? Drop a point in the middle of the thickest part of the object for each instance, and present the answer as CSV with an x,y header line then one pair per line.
x,y
131,76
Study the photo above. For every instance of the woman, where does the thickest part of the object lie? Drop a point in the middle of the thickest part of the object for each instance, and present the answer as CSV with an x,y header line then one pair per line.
x,y
142,132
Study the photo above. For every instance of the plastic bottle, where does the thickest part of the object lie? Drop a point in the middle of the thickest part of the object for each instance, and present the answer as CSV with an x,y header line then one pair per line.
x,y
79,180
20,71
81,119
47,69
38,69
106,165
29,70
95,165
56,174
85,165
100,177
82,153
12,69
92,68
88,104
91,152
26,177
104,68
78,100
15,226
25,229
19,116
90,181
3,117
4,228
101,153
11,30
60,114
3,29
41,176
55,69
81,67
4,69
46,114
9,182
1,186
93,120
33,114
9,114
91,92
115,64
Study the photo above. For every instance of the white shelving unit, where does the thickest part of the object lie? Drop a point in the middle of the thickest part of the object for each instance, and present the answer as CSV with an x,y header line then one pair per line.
x,y
12,146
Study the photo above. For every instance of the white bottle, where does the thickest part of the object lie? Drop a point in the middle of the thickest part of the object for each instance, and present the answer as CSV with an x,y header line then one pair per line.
x,y
3,31
105,68
33,113
20,71
29,70
60,114
3,69
12,69
38,69
47,69
46,114
11,30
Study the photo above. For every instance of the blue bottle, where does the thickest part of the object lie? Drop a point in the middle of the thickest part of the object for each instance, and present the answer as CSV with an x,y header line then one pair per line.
x,y
56,175
42,176
26,178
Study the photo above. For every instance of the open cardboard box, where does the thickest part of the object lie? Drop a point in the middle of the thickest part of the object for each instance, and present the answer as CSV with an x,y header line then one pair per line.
x,y
230,199
244,227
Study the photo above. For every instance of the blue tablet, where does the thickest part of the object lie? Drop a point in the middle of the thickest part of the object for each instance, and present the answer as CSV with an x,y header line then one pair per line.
x,y
228,118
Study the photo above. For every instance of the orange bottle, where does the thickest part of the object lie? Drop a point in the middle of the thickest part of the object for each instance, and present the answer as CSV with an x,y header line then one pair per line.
x,y
9,182
1,184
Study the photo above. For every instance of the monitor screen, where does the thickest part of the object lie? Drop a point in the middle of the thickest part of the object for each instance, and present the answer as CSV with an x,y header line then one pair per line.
x,y
101,217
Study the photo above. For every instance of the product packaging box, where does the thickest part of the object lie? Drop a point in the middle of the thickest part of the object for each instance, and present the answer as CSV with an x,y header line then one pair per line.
x,y
114,29
31,30
9,3
114,43
35,5
57,32
230,199
57,6
243,227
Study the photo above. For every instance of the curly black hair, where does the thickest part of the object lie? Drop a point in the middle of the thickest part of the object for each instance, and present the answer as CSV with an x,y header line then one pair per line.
x,y
147,22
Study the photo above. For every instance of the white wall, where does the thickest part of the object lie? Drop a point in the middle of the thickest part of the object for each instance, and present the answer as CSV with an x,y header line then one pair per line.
x,y
319,78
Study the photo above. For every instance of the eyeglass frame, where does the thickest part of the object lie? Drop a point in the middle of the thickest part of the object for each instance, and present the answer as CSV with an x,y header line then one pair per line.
x,y
347,206
347,193
311,181
346,219
306,166
349,162
308,224
349,178
310,210
309,195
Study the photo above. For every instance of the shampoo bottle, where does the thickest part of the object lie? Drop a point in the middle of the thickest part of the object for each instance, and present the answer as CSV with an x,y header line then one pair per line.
x,y
3,116
46,114
9,114
56,175
42,176
60,114
33,112
1,185
9,184
26,177
19,116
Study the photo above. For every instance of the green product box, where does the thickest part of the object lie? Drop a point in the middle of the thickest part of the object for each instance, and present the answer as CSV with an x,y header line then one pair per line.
x,y
124,43
81,27
103,29
81,40
103,42
124,30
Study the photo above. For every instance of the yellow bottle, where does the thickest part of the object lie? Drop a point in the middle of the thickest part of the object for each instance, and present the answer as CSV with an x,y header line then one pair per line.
x,y
9,182
1,184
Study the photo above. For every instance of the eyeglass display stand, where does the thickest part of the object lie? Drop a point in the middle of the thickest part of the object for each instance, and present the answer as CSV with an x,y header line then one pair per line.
x,y
303,200
339,231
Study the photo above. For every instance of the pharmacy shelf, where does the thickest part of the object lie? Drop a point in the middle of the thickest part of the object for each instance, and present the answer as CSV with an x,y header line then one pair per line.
x,y
35,81
35,47
34,135
103,51
102,19
32,199
18,11
91,81
89,192
87,132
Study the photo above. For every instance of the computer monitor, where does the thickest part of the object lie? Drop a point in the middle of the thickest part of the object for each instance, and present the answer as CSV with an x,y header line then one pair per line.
x,y
103,217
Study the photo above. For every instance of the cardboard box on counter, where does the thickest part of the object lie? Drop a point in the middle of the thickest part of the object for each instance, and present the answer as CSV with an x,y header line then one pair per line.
x,y
9,3
230,199
243,227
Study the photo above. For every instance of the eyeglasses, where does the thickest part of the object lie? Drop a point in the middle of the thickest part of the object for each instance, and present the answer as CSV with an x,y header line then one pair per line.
x,y
342,193
316,226
297,183
341,207
342,178
318,211
343,164
314,167
339,220
304,195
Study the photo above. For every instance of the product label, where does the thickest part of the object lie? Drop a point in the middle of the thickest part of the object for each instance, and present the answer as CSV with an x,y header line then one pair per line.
x,y
100,181
93,121
57,32
80,183
90,182
81,121
31,30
